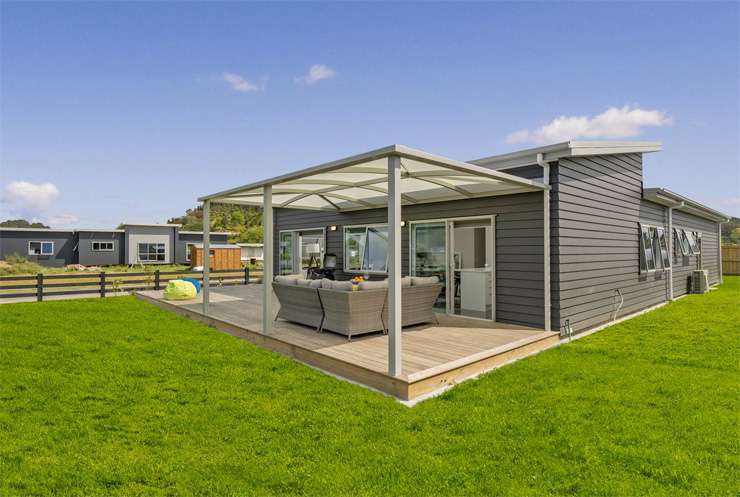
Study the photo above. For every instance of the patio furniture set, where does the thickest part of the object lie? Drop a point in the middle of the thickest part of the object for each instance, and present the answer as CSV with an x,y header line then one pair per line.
x,y
348,309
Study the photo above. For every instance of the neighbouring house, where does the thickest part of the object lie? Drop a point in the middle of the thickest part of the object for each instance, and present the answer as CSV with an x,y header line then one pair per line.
x,y
251,252
132,244
222,256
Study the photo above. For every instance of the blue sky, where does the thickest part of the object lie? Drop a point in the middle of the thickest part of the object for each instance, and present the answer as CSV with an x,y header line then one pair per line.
x,y
130,111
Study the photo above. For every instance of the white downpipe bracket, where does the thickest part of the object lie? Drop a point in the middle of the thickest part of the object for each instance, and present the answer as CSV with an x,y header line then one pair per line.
x,y
546,235
268,260
395,366
206,255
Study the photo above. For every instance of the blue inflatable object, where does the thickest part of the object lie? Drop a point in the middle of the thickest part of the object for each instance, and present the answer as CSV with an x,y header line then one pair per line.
x,y
195,282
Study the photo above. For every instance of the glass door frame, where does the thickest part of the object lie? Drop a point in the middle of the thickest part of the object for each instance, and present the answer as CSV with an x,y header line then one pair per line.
x,y
296,255
449,259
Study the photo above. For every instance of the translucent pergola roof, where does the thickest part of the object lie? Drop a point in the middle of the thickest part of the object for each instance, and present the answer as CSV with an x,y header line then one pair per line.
x,y
361,182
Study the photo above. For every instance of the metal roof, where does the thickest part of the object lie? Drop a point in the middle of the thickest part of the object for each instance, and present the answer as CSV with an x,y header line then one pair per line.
x,y
679,202
361,182
566,149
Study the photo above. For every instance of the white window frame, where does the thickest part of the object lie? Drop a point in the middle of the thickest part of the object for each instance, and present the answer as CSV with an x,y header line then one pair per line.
x,y
694,248
344,248
99,249
189,251
644,246
148,260
41,247
665,254
296,245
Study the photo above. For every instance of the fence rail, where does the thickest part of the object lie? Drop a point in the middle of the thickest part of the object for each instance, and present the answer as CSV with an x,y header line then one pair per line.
x,y
38,286
731,259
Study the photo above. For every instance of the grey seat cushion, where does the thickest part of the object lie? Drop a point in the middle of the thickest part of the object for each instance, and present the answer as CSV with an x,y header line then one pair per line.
x,y
303,282
373,285
423,280
286,280
341,285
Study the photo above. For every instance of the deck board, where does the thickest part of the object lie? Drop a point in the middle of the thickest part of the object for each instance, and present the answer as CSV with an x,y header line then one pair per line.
x,y
426,349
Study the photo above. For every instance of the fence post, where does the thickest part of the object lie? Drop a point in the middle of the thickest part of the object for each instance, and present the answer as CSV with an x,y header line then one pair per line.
x,y
246,275
39,287
102,284
156,279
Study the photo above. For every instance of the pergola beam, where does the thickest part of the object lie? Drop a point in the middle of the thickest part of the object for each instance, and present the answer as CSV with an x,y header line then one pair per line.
x,y
206,255
267,266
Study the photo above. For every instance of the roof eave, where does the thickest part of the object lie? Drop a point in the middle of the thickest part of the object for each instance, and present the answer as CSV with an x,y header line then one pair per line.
x,y
671,199
556,151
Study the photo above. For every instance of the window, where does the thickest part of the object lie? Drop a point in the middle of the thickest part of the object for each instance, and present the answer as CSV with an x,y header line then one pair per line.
x,y
366,249
301,249
647,260
40,248
662,243
682,244
151,252
102,246
188,251
692,237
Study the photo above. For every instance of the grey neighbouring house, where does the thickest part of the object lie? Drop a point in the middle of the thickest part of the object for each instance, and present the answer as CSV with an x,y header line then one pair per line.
x,y
563,237
132,244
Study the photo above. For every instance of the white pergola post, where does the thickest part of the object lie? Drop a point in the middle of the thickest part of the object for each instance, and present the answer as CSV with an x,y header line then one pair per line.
x,y
394,266
206,254
268,260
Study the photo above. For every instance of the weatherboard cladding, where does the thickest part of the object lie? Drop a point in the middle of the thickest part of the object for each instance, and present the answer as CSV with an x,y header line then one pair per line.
x,y
598,205
519,244
682,266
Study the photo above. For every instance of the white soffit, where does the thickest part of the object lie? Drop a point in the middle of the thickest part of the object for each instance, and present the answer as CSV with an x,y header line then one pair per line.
x,y
360,182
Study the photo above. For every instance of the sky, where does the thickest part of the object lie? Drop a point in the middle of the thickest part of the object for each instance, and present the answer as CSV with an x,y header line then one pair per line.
x,y
113,112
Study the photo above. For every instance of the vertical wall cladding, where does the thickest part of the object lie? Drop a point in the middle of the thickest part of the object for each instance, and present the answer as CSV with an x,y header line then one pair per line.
x,y
682,266
519,244
596,210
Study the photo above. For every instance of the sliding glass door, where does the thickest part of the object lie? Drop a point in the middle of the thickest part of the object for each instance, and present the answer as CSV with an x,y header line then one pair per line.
x,y
471,262
460,252
429,255
300,250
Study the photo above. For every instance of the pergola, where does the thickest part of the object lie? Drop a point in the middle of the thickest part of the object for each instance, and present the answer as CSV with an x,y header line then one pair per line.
x,y
389,177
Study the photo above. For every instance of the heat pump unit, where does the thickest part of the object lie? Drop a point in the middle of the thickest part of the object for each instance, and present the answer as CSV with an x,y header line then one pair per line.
x,y
699,281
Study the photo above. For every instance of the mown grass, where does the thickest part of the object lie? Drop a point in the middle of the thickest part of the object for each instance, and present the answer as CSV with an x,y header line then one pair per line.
x,y
116,397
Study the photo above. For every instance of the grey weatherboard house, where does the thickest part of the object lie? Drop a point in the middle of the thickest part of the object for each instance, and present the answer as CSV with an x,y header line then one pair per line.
x,y
132,244
559,237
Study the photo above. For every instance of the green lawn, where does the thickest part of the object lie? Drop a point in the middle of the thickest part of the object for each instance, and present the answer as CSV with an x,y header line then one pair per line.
x,y
116,397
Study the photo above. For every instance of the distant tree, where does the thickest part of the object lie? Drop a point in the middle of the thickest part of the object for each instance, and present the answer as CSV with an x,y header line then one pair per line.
x,y
731,232
244,222
21,223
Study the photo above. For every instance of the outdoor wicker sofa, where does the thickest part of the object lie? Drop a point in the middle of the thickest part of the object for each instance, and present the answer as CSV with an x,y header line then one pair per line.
x,y
334,306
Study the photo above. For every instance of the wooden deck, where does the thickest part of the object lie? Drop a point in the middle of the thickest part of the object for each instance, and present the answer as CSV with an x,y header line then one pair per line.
x,y
434,356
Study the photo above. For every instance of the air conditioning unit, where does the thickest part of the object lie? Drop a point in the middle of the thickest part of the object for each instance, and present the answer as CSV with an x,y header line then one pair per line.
x,y
699,281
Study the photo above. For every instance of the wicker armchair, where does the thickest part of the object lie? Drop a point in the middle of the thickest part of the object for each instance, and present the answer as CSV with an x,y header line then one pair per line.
x,y
353,313
417,304
299,304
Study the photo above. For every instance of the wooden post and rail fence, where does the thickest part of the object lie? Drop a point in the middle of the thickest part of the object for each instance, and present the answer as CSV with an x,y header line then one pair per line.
x,y
49,285
731,259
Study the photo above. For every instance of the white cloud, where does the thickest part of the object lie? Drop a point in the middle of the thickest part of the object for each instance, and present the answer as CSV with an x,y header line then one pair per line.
x,y
613,123
30,199
240,83
62,220
316,73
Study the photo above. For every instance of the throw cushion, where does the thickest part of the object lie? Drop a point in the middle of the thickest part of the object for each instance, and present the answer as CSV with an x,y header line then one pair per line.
x,y
373,285
326,283
314,283
303,282
405,281
286,280
423,280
